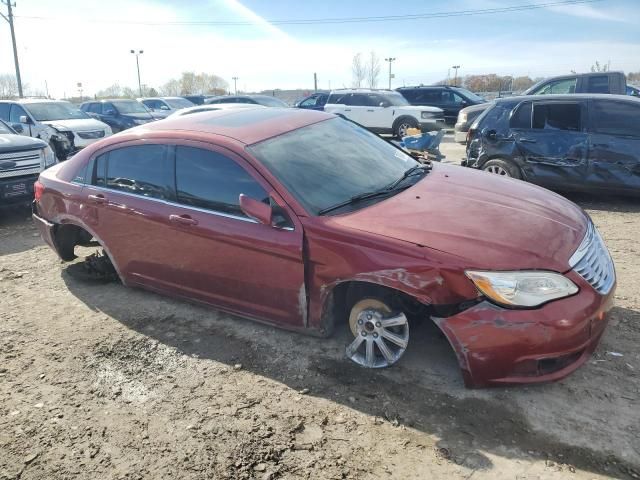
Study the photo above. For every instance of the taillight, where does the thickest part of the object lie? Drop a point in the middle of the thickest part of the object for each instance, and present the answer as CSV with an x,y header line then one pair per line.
x,y
470,134
38,189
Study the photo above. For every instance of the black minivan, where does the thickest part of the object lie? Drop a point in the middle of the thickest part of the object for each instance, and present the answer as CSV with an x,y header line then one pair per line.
x,y
564,142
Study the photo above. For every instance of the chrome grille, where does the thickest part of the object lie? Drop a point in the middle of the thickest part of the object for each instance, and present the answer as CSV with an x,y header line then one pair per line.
x,y
20,163
593,263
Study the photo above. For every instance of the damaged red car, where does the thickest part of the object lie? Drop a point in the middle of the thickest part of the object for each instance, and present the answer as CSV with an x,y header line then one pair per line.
x,y
309,222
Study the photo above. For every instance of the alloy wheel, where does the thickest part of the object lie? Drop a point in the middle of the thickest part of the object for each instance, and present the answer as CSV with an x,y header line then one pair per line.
x,y
381,337
497,169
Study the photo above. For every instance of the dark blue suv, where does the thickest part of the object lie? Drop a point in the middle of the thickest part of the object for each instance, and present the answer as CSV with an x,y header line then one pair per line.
x,y
588,142
119,114
317,101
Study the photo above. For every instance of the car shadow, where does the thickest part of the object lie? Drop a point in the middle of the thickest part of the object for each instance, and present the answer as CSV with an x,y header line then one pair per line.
x,y
605,203
424,391
17,231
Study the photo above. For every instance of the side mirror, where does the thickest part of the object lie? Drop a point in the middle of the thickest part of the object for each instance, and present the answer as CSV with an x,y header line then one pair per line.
x,y
109,112
385,104
17,127
26,119
259,211
164,107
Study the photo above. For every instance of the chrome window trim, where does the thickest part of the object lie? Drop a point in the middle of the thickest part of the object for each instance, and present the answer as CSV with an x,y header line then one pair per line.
x,y
188,207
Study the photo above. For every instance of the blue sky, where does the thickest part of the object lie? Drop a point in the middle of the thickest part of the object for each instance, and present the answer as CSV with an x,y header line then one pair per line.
x,y
70,41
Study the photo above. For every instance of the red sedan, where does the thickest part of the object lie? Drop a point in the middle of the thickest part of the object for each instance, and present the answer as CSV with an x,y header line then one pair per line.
x,y
309,222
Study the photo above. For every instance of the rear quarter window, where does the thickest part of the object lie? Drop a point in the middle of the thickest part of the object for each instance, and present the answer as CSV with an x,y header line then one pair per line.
x,y
521,116
557,116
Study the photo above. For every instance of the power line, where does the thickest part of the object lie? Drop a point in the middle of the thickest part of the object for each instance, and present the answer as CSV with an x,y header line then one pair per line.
x,y
324,21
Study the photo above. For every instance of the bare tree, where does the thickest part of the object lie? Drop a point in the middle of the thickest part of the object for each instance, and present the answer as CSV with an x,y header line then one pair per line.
x,y
171,88
373,70
358,71
597,67
113,91
8,86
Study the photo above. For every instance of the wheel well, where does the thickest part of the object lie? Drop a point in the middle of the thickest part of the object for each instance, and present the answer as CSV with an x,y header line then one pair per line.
x,y
504,159
344,295
404,117
67,236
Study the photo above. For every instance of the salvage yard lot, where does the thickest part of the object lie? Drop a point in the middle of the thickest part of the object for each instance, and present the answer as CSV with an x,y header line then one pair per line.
x,y
101,381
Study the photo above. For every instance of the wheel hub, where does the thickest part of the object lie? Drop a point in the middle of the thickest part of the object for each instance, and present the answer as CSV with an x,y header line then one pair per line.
x,y
380,336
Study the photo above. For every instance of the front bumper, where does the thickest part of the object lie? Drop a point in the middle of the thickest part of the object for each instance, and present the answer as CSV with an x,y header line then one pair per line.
x,y
460,132
497,346
428,125
16,189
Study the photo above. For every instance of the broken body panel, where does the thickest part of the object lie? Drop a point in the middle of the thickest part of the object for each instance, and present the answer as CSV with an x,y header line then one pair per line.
x,y
290,276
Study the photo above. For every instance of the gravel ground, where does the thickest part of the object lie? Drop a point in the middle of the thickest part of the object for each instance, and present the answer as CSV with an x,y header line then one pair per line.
x,y
101,381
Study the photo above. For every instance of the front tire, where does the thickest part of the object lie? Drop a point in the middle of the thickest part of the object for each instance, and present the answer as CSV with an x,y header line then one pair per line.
x,y
380,335
403,125
504,168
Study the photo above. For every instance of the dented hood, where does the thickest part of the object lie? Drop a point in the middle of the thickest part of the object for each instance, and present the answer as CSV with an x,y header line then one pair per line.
x,y
490,222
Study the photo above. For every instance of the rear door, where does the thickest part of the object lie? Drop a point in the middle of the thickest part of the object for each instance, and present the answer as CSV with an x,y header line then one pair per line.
x,y
615,145
554,143
220,255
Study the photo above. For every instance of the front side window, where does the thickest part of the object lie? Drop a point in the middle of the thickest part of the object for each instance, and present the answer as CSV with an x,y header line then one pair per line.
x,y
616,118
557,116
130,107
141,170
95,108
16,112
179,103
329,162
4,111
309,102
209,180
598,84
558,87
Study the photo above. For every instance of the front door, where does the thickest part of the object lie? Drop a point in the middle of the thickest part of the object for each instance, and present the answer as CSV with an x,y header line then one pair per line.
x,y
555,148
224,257
615,145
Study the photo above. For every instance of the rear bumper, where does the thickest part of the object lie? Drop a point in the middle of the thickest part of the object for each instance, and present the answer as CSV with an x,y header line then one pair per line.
x,y
497,346
460,133
44,227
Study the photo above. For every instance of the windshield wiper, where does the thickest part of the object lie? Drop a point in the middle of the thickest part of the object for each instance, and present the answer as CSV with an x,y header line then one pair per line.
x,y
391,188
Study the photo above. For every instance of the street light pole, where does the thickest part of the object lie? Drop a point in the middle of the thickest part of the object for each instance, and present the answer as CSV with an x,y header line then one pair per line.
x,y
235,84
140,52
390,60
455,75
9,18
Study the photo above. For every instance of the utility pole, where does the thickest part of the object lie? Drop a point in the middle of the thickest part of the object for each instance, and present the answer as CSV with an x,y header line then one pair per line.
x,y
235,84
315,82
390,60
455,75
140,52
9,18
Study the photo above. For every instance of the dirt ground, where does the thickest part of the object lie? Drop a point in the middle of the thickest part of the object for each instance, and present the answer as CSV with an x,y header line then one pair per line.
x,y
98,381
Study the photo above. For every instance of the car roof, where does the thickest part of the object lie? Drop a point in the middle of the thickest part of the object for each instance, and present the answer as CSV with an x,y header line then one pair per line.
x,y
362,90
25,101
103,100
246,125
567,96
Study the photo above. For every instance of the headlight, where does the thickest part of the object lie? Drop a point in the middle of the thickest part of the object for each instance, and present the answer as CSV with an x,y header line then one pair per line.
x,y
522,289
426,115
48,157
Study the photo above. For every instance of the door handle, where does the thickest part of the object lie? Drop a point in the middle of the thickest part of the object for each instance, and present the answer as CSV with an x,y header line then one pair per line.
x,y
347,109
528,140
370,110
183,219
603,145
99,198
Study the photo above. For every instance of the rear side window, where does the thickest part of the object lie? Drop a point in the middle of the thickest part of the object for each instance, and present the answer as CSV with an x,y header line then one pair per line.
x,y
616,118
95,108
521,117
557,116
209,180
598,84
338,98
140,170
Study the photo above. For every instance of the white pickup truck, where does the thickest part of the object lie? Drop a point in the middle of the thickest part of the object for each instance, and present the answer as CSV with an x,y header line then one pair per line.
x,y
383,111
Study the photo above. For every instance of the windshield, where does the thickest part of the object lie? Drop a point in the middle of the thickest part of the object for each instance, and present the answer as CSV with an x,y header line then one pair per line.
x,y
178,103
46,111
395,99
470,95
271,102
130,107
329,162
4,128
